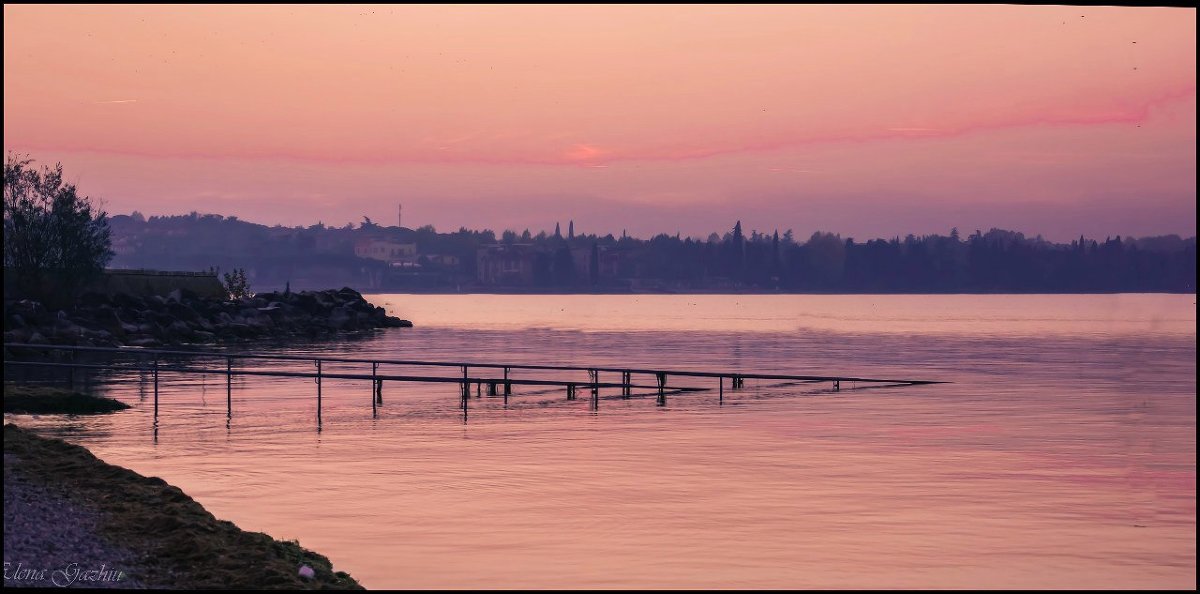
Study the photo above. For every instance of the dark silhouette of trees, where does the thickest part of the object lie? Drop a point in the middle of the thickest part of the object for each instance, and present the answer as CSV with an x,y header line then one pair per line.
x,y
236,284
563,265
594,265
54,239
996,261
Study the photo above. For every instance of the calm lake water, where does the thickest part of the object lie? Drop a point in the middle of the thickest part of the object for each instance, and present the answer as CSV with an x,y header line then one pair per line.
x,y
1062,455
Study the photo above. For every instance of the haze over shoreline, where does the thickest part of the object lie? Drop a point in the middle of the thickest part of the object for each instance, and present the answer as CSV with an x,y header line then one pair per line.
x,y
868,121
374,257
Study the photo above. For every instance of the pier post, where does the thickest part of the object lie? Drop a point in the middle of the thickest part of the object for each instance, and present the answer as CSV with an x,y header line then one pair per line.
x,y
374,391
595,375
318,392
837,385
466,395
662,384
507,386
156,387
626,379
721,390
570,391
466,389
228,386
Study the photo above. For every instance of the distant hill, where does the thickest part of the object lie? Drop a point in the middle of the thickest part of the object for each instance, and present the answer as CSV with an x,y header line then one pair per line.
x,y
370,257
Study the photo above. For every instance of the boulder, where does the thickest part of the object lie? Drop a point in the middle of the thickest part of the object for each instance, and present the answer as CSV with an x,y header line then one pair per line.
x,y
13,321
156,303
106,318
339,318
182,295
125,300
182,311
93,299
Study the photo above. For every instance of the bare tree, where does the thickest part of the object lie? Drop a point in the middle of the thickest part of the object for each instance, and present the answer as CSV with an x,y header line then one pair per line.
x,y
236,284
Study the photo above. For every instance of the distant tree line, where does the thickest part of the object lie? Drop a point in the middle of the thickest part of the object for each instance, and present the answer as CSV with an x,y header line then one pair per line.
x,y
993,261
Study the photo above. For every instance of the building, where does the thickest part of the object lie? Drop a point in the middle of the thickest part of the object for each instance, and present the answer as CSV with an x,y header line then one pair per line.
x,y
386,251
442,260
505,264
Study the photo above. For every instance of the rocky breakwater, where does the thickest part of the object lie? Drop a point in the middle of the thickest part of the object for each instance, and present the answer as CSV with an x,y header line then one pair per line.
x,y
183,317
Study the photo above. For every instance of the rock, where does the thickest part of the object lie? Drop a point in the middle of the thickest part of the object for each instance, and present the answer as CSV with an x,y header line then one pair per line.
x,y
260,323
13,321
93,299
67,330
130,314
182,311
155,303
106,318
182,296
339,318
161,318
350,293
394,322
125,300
183,316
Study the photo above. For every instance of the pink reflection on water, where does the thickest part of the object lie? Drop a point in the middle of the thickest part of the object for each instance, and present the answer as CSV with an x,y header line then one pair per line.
x,y
1063,460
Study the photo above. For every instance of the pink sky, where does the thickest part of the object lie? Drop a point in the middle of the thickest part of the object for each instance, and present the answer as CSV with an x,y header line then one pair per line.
x,y
865,120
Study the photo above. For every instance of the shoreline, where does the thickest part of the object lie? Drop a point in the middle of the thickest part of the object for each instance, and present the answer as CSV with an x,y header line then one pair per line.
x,y
71,517
183,317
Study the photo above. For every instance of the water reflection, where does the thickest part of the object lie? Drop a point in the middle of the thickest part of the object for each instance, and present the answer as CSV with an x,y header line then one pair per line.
x,y
1061,458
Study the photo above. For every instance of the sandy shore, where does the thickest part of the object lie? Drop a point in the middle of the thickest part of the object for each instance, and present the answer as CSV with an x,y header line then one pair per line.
x,y
72,519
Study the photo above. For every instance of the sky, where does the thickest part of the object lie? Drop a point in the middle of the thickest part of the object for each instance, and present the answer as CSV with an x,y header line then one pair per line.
x,y
868,121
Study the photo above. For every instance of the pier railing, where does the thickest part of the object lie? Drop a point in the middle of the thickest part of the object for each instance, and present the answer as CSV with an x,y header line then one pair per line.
x,y
495,385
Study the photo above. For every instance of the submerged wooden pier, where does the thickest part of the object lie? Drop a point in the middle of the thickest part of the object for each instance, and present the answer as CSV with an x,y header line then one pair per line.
x,y
495,386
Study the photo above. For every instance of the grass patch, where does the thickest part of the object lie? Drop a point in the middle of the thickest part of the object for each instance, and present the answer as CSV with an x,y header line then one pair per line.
x,y
45,400
182,546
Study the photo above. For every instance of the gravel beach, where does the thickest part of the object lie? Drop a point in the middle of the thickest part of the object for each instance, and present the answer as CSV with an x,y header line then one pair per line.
x,y
50,540
73,520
